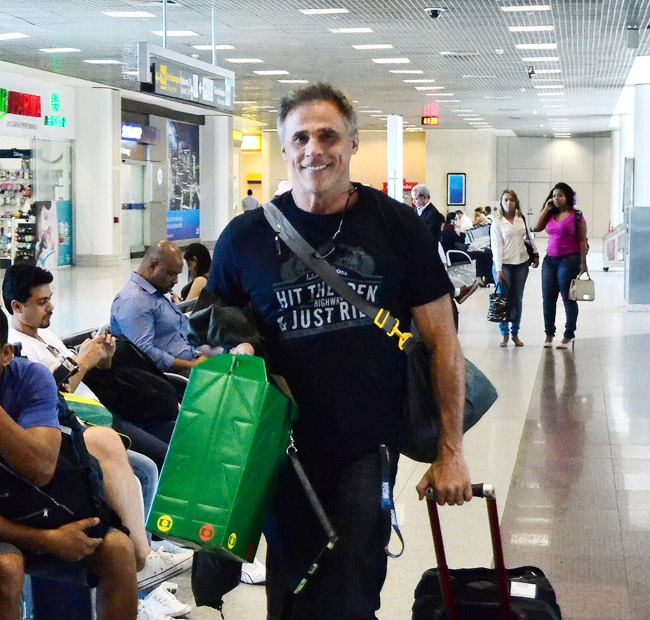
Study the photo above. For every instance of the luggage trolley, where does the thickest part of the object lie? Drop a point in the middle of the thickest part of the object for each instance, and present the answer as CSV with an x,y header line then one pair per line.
x,y
614,244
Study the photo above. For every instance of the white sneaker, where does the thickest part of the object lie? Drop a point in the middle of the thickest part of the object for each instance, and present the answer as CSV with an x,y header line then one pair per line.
x,y
145,612
168,546
162,601
253,574
160,566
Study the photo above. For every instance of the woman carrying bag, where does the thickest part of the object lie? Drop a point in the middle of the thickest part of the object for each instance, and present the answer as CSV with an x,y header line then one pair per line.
x,y
513,251
566,257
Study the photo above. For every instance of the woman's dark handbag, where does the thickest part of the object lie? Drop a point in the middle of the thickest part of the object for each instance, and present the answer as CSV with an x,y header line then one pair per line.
x,y
421,411
530,248
499,309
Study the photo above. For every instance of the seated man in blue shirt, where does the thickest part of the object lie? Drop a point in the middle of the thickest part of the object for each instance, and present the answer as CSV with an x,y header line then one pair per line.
x,y
30,440
144,313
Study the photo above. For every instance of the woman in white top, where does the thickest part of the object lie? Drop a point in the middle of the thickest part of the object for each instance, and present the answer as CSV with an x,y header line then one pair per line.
x,y
508,234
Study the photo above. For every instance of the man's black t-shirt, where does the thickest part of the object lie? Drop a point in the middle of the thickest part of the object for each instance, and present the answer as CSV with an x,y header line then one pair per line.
x,y
346,375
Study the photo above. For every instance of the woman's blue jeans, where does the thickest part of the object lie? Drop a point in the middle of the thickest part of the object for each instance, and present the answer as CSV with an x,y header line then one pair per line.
x,y
515,280
557,273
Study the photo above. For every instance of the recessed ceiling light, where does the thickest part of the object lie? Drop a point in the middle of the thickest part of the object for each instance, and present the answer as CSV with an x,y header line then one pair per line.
x,y
411,71
7,36
548,71
58,50
460,54
244,60
526,7
557,94
350,30
429,87
541,59
548,86
203,48
444,94
293,81
177,33
370,111
128,14
554,106
374,46
444,100
106,61
391,61
244,102
536,46
417,81
272,72
498,51
531,28
323,11
478,76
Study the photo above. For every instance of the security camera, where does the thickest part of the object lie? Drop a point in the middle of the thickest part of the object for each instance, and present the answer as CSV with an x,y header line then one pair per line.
x,y
434,11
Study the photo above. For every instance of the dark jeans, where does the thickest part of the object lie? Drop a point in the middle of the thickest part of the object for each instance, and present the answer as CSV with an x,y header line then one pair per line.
x,y
148,438
348,584
515,277
557,273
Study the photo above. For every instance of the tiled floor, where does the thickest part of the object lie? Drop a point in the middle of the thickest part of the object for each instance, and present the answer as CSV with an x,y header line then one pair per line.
x,y
567,446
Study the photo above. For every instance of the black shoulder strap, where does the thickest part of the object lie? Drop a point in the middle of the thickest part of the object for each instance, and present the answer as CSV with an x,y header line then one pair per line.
x,y
301,248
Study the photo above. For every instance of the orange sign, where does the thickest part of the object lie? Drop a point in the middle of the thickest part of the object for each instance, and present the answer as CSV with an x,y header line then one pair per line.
x,y
206,532
430,120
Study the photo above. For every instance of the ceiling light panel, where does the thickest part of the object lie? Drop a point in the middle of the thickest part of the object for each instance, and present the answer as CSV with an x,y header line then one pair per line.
x,y
391,61
8,36
338,11
408,71
132,14
272,72
536,46
58,50
244,60
351,30
530,28
526,8
374,46
204,48
177,33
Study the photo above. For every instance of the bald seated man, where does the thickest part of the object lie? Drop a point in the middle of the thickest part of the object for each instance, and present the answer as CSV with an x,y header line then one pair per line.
x,y
144,313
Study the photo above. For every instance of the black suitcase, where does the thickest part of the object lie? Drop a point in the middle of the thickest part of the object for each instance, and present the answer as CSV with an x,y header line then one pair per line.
x,y
482,593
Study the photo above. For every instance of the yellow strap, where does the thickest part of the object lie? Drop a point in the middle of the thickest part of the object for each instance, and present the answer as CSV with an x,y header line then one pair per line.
x,y
84,400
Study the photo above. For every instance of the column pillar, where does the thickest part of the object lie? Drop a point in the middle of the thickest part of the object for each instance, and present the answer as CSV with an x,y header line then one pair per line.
x,y
216,155
97,177
395,156
637,272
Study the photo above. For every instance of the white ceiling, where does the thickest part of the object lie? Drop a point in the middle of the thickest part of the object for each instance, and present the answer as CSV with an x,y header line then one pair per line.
x,y
591,40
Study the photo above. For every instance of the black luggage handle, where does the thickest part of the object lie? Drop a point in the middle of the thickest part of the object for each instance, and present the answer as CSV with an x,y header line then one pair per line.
x,y
478,490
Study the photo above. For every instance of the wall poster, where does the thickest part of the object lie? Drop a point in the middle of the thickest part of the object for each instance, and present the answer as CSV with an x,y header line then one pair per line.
x,y
183,214
456,189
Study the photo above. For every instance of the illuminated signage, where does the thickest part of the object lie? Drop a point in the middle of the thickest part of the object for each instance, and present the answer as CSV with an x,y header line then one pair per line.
x,y
21,104
189,84
55,102
56,121
131,132
430,120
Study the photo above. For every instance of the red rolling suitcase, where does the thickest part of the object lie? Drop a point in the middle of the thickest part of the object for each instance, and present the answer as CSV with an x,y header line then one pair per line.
x,y
482,593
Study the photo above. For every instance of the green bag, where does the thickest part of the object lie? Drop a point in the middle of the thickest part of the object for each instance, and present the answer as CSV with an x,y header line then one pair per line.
x,y
89,410
225,457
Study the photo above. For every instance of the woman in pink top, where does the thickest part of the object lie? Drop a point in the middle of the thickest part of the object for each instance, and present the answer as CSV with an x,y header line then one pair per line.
x,y
565,258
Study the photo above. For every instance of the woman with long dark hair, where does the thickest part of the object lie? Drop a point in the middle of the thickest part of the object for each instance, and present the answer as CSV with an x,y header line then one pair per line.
x,y
198,260
508,237
566,258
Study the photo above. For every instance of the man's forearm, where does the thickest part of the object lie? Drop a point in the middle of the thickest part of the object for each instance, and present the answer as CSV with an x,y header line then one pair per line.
x,y
25,537
448,381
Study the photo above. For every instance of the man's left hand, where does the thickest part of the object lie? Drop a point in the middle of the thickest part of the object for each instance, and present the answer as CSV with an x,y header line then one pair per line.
x,y
449,478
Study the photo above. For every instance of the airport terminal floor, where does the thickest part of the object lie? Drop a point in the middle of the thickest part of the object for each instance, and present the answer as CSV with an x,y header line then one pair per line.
x,y
567,446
